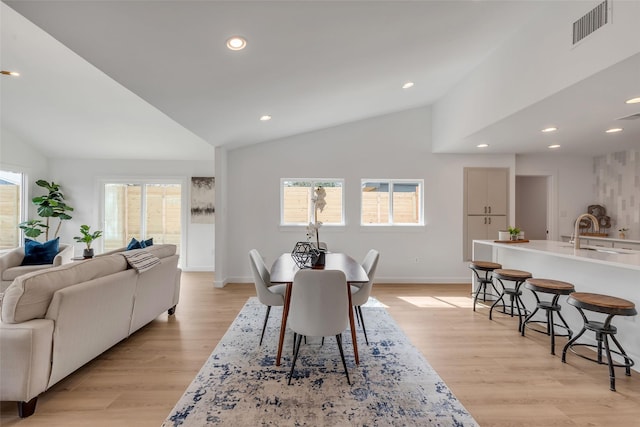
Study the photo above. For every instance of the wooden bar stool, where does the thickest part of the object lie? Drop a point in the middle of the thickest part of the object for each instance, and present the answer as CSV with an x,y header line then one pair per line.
x,y
556,288
518,277
611,306
487,267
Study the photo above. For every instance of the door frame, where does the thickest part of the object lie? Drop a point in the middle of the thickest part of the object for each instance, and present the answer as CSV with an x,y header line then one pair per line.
x,y
552,200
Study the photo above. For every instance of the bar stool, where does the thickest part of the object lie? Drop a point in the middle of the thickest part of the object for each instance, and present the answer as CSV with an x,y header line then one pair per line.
x,y
518,277
611,306
556,288
488,268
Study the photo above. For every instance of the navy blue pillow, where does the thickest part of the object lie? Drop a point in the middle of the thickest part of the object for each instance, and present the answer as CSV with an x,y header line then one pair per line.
x,y
36,253
135,244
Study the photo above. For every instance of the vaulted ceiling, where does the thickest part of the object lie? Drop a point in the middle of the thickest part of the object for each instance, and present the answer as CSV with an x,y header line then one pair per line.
x,y
154,79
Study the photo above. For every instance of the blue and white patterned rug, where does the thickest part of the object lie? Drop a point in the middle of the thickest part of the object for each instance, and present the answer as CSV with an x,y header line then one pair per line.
x,y
240,385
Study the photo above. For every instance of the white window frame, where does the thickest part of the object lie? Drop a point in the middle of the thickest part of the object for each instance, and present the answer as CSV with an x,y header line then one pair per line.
x,y
314,183
102,181
25,198
391,183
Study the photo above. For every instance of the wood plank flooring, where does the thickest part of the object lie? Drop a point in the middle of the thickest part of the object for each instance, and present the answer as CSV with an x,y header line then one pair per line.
x,y
502,378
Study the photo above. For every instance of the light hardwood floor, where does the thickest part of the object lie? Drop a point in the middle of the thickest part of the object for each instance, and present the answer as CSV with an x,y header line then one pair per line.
x,y
502,378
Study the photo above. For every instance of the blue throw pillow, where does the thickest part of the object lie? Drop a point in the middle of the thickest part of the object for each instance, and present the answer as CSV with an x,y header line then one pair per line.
x,y
139,244
36,253
134,244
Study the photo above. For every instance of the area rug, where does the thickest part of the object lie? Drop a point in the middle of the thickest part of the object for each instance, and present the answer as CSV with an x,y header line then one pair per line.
x,y
240,385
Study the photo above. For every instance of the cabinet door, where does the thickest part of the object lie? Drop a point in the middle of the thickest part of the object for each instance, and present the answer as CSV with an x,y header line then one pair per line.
x,y
476,191
497,191
476,230
495,223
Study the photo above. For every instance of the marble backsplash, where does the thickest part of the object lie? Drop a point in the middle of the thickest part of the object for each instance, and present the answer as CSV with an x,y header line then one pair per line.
x,y
617,188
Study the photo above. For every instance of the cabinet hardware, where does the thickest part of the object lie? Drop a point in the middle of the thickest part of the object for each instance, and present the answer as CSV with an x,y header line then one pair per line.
x,y
489,220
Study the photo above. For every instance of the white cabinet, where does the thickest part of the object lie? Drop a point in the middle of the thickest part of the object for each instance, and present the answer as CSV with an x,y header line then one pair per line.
x,y
486,193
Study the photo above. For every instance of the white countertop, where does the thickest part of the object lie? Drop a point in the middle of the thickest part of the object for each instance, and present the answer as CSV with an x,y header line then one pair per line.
x,y
625,258
606,239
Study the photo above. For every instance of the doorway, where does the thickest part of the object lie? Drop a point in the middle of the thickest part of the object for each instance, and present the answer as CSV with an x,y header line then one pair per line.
x,y
532,196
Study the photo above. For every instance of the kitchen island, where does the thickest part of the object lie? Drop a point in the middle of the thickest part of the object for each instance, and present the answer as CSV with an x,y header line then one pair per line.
x,y
609,271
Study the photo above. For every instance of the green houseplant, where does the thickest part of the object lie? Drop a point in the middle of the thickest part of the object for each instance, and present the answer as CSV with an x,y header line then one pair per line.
x,y
514,232
51,205
87,237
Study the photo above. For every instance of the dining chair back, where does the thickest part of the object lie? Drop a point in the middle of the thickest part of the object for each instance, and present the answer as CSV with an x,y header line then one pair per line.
x,y
360,294
319,307
268,294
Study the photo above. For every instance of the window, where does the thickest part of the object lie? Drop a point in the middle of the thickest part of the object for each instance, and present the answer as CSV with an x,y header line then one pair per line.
x,y
11,208
296,205
142,210
392,202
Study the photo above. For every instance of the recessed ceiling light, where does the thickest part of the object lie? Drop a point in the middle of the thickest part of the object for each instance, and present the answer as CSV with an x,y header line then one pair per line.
x,y
633,101
613,130
549,129
554,146
10,73
407,85
482,145
265,118
236,43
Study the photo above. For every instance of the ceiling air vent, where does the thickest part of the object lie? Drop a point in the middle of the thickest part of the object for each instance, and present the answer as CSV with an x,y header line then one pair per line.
x,y
590,22
635,116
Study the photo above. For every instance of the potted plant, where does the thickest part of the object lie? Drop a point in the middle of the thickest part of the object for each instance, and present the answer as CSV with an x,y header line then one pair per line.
x,y
51,205
87,237
514,233
622,232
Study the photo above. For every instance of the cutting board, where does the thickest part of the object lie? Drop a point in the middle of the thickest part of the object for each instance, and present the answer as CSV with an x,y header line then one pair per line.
x,y
512,241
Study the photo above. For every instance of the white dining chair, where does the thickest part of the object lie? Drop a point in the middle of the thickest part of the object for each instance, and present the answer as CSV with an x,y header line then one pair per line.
x,y
319,307
360,294
268,294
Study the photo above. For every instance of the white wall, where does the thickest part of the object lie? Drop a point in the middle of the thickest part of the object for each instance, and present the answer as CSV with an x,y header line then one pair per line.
x,y
572,186
533,65
16,155
80,181
392,146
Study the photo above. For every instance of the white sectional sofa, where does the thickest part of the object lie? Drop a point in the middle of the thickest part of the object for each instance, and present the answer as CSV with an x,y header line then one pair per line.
x,y
56,320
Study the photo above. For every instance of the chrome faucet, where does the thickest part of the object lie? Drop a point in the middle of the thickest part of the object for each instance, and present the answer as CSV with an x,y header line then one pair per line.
x,y
596,227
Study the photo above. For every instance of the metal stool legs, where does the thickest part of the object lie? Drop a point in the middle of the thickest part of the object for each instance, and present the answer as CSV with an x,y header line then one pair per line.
x,y
549,307
603,331
514,298
483,282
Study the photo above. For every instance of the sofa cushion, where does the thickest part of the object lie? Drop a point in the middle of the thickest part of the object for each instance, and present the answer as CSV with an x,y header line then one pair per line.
x,y
28,297
11,273
162,250
36,253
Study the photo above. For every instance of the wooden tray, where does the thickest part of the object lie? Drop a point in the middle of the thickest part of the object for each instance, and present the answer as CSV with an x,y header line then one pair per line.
x,y
512,241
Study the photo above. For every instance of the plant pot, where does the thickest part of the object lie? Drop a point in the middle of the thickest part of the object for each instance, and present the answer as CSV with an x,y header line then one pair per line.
x,y
319,262
87,253
514,237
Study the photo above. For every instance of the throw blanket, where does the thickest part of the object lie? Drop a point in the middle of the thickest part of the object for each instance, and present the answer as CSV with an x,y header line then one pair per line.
x,y
141,260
